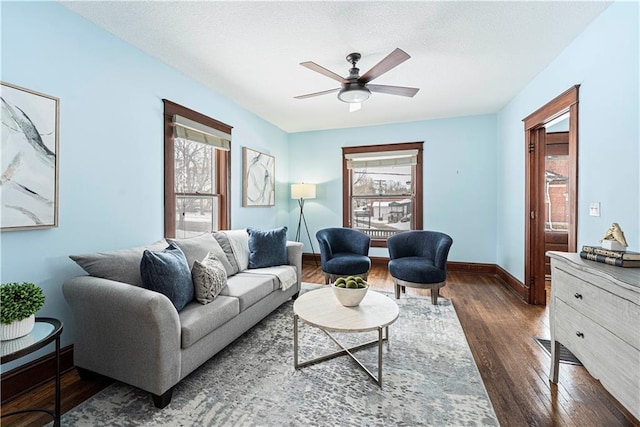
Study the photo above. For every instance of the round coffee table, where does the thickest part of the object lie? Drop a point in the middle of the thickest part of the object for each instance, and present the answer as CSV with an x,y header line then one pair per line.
x,y
321,309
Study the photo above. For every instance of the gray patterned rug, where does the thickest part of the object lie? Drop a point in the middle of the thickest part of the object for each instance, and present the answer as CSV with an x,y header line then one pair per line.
x,y
429,378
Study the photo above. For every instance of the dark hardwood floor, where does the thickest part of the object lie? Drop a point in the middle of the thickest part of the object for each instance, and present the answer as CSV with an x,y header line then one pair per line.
x,y
500,329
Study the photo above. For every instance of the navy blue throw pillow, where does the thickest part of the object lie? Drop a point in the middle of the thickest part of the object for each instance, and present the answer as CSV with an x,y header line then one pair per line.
x,y
167,272
267,248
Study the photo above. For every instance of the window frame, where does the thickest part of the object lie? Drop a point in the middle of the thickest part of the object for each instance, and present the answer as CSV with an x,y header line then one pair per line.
x,y
222,168
417,198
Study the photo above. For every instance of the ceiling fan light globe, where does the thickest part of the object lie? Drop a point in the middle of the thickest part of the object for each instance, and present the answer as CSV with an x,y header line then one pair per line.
x,y
356,95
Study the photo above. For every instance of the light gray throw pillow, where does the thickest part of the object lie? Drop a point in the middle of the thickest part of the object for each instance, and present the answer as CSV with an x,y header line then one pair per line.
x,y
197,248
121,265
209,278
223,240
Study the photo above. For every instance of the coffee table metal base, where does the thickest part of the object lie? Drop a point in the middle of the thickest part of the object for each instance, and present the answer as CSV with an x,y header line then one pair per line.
x,y
345,351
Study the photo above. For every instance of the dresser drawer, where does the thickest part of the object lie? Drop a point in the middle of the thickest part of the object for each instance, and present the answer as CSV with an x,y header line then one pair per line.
x,y
608,358
613,313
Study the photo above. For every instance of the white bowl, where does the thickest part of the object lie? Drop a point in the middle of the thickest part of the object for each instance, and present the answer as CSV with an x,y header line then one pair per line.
x,y
350,297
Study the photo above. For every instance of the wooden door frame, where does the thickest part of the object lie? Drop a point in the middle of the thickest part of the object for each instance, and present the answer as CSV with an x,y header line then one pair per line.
x,y
534,198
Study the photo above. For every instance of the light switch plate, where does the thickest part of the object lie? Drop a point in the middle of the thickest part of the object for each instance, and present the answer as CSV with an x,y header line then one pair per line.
x,y
594,209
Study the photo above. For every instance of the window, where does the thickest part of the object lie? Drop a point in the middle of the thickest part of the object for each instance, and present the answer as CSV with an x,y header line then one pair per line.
x,y
382,189
196,172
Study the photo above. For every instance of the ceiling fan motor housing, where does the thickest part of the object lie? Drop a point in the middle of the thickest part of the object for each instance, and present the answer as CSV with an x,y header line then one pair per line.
x,y
353,91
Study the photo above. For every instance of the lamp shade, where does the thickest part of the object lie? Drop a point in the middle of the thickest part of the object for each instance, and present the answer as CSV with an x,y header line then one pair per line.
x,y
303,191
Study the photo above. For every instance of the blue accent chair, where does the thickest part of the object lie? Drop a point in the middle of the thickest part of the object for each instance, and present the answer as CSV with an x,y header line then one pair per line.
x,y
418,259
343,252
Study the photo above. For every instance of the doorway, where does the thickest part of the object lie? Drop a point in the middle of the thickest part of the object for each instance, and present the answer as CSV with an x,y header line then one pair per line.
x,y
551,188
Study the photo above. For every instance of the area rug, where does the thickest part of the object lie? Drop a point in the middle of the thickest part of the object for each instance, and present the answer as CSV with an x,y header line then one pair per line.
x,y
429,378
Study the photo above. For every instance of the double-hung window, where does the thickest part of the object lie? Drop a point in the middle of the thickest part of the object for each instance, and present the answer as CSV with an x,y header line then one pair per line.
x,y
196,172
382,189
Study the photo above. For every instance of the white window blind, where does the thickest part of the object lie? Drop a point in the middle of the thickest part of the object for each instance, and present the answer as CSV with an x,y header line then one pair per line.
x,y
382,158
197,132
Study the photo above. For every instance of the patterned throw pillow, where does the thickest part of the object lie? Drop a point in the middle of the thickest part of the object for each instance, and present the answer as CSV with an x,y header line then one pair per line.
x,y
209,278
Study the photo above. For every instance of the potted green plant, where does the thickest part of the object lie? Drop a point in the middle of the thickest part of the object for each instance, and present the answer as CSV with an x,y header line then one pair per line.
x,y
19,303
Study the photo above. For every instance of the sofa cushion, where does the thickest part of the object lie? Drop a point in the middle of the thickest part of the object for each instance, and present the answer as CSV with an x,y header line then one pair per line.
x,y
197,320
167,272
121,265
224,243
209,277
267,248
196,248
249,288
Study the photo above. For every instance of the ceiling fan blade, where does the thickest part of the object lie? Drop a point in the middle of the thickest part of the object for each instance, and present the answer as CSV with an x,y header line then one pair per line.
x,y
309,95
394,90
392,60
320,69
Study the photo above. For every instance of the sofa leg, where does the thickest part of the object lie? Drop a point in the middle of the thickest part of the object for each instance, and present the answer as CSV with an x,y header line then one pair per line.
x,y
162,400
87,375
295,296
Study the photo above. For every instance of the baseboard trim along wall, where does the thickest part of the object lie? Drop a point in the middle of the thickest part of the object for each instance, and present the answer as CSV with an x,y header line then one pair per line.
x,y
35,373
512,283
471,267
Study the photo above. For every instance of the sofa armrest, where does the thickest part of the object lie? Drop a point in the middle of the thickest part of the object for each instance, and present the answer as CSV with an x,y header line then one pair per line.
x,y
294,256
125,332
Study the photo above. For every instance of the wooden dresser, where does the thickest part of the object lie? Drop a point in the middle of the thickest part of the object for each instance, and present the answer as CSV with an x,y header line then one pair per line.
x,y
595,313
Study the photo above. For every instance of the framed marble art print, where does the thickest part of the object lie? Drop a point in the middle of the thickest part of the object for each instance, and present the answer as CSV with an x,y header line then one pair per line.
x,y
258,179
29,161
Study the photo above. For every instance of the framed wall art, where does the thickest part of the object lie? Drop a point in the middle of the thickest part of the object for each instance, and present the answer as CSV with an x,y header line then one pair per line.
x,y
29,161
258,179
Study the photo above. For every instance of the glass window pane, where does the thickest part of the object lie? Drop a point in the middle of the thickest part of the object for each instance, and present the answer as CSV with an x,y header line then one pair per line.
x,y
194,167
196,215
557,193
381,217
384,180
385,208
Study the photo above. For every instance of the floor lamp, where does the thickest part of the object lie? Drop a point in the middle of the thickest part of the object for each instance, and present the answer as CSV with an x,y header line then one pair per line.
x,y
302,192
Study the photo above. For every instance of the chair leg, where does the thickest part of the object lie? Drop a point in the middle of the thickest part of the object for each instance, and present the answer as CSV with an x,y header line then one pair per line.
x,y
396,288
434,296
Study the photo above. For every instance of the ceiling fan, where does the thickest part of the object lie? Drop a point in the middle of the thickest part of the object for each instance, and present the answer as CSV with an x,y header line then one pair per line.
x,y
355,88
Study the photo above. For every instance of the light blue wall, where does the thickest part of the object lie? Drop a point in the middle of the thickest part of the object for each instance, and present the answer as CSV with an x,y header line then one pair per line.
x,y
459,178
111,175
604,61
111,144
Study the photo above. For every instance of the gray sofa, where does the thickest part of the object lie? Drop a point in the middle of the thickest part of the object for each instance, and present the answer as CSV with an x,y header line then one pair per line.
x,y
136,336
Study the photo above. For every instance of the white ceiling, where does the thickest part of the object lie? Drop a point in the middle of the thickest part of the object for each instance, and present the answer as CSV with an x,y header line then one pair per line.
x,y
467,58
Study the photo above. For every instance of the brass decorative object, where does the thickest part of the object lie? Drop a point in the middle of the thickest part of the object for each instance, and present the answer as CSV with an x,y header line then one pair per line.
x,y
614,235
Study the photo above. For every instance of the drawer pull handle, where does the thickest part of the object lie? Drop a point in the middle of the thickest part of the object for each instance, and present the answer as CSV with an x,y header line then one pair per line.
x,y
577,295
579,334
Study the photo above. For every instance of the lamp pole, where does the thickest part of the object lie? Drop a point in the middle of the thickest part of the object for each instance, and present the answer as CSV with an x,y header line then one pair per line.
x,y
302,219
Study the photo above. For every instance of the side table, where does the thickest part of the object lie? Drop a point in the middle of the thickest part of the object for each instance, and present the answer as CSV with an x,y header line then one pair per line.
x,y
44,332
